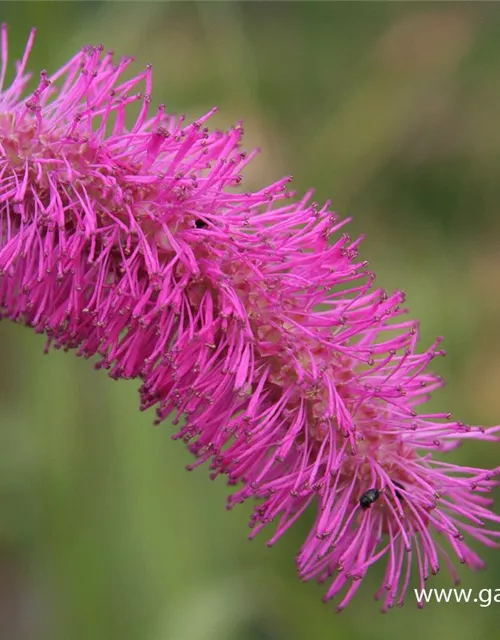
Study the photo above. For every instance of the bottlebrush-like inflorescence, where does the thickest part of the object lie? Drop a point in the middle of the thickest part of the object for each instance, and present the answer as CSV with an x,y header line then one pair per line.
x,y
248,315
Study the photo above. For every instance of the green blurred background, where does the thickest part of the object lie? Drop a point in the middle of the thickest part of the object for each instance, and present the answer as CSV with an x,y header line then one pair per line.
x,y
392,111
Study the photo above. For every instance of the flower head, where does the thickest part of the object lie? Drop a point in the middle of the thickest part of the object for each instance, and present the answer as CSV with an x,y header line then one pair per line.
x,y
248,315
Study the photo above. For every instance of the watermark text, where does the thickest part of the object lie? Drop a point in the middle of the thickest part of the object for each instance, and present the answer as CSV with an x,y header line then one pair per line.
x,y
483,597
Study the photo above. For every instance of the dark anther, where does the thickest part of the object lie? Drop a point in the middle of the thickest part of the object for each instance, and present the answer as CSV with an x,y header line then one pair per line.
x,y
398,494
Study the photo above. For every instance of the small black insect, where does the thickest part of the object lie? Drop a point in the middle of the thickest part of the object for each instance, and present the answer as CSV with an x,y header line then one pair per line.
x,y
199,224
369,498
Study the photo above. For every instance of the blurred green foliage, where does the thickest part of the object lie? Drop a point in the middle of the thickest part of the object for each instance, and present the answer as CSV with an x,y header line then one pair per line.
x,y
389,109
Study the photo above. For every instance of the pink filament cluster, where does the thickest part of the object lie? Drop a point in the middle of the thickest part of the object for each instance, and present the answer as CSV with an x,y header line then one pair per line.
x,y
246,315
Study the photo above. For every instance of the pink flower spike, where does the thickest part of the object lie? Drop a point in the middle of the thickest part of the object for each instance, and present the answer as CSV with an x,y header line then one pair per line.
x,y
248,316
